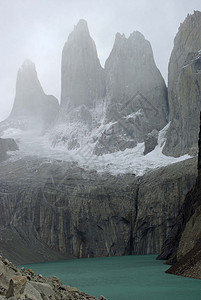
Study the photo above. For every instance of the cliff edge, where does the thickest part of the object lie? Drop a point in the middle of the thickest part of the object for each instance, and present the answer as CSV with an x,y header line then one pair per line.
x,y
183,244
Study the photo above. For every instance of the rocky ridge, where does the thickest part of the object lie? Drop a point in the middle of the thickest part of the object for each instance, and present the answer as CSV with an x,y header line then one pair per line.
x,y
18,284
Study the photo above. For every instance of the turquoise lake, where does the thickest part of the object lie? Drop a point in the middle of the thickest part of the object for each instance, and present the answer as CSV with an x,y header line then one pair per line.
x,y
138,277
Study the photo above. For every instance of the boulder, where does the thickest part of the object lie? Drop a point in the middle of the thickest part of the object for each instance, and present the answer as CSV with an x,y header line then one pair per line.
x,y
16,286
7,145
151,141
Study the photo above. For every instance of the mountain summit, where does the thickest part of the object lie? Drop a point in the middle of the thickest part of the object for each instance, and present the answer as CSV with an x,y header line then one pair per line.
x,y
137,93
31,103
82,77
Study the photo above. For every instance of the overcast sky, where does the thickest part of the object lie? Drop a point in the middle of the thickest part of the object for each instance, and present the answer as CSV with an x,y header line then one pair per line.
x,y
38,29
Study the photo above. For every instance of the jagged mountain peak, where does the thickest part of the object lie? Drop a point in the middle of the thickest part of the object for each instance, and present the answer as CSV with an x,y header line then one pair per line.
x,y
191,19
82,75
27,78
27,73
136,35
119,37
28,64
31,104
80,32
82,25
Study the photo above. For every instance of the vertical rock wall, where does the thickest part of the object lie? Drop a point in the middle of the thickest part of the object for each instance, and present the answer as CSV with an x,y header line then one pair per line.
x,y
86,214
184,88
82,77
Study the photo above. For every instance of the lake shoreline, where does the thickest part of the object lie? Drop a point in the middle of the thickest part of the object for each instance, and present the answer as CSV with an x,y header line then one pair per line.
x,y
122,277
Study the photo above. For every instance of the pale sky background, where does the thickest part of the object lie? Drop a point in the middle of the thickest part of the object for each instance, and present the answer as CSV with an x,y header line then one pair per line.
x,y
38,29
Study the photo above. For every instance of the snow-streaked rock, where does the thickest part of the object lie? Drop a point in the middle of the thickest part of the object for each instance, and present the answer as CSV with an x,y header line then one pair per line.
x,y
137,92
121,162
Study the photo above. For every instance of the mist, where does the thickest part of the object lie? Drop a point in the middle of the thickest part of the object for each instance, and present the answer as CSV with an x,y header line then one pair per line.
x,y
37,30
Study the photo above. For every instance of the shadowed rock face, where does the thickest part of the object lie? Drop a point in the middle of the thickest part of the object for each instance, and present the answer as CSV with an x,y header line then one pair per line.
x,y
31,104
183,244
82,77
85,214
137,93
151,141
184,88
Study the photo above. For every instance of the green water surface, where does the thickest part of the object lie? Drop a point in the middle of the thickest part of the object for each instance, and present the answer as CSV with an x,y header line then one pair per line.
x,y
138,277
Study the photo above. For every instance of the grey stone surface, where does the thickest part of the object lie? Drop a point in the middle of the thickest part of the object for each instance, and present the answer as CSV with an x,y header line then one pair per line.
x,y
184,88
86,214
82,77
160,196
137,94
21,284
183,243
151,141
31,105
5,146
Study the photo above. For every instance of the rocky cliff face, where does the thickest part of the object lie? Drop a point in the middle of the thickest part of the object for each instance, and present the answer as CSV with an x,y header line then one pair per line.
x,y
85,214
183,244
82,77
160,197
31,104
137,93
184,88
131,68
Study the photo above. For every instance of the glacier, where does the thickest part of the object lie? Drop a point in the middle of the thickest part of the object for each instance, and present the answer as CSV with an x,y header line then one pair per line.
x,y
132,161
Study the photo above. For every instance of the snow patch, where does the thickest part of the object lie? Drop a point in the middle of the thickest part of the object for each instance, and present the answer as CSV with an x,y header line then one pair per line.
x,y
121,162
134,114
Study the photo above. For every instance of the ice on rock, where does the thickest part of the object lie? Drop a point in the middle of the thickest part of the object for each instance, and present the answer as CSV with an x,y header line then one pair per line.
x,y
127,161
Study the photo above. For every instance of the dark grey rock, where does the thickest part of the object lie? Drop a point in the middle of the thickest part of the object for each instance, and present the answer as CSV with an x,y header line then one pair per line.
x,y
183,243
85,214
151,141
5,146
